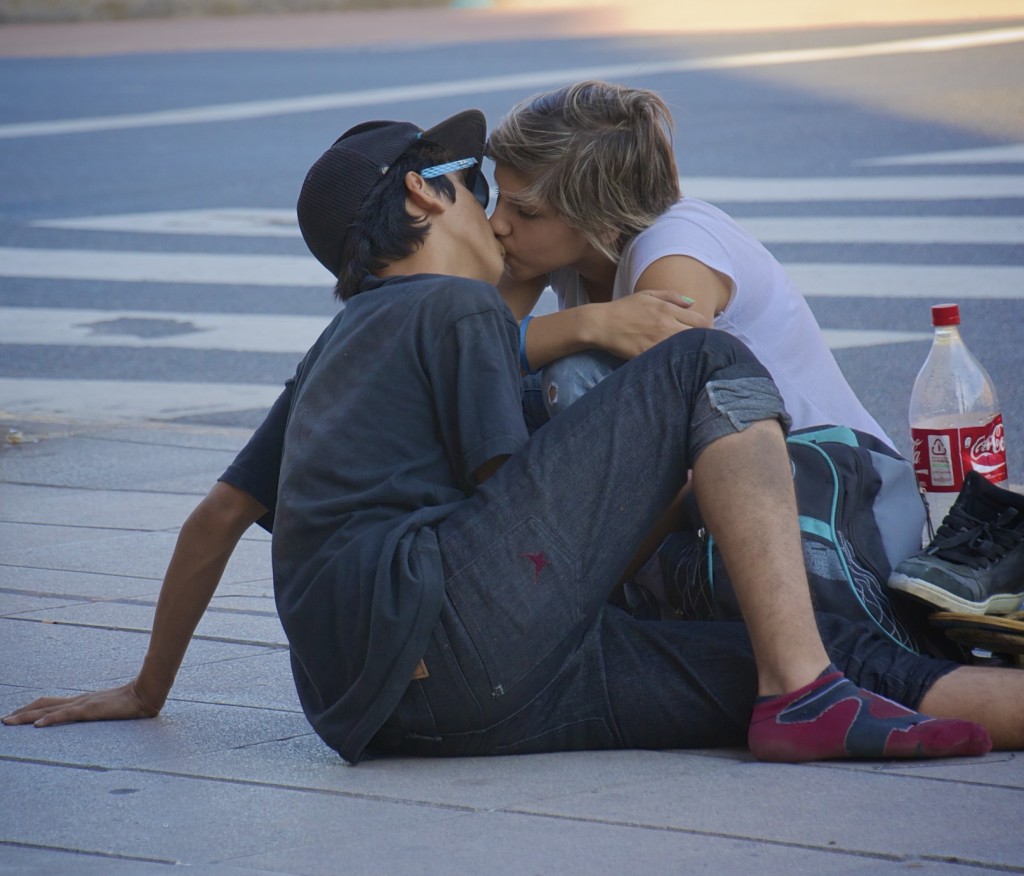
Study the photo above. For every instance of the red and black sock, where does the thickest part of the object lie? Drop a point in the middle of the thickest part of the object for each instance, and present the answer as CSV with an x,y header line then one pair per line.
x,y
831,718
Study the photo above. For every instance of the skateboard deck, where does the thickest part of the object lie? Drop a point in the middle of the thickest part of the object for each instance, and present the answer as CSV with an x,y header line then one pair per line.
x,y
1001,634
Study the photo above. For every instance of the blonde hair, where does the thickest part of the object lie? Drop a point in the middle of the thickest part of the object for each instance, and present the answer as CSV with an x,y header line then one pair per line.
x,y
597,153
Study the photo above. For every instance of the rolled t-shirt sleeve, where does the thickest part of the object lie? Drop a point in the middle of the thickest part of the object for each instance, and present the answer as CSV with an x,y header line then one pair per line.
x,y
477,391
690,228
257,467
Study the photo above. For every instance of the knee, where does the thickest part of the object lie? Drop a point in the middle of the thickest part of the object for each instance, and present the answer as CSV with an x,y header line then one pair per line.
x,y
566,380
712,355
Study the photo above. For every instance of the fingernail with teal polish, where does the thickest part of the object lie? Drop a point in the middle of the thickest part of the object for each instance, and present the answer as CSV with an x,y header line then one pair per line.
x,y
686,299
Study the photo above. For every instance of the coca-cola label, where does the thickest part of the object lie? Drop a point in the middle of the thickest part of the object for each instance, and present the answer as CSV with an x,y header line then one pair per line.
x,y
943,457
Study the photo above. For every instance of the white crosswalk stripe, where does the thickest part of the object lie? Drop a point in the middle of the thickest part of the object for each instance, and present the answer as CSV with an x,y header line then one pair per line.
x,y
888,229
772,229
147,398
163,267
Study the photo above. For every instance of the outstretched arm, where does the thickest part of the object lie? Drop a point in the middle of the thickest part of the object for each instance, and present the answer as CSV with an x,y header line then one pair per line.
x,y
625,327
205,543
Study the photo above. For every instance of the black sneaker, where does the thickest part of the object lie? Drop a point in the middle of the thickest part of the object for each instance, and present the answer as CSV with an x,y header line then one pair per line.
x,y
682,563
975,562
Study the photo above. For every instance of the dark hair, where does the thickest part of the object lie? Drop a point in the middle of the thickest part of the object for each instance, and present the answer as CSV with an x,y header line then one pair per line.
x,y
384,232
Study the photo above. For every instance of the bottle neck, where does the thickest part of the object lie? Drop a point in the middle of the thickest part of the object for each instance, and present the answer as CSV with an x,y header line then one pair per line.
x,y
947,334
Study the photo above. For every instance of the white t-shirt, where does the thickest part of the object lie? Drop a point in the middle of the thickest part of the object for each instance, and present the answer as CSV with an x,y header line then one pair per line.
x,y
765,310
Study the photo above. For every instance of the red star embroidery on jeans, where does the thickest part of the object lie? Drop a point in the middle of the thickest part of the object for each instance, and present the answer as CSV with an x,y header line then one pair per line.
x,y
539,562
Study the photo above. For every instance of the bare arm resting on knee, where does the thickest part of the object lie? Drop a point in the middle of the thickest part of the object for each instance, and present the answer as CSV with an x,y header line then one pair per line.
x,y
205,543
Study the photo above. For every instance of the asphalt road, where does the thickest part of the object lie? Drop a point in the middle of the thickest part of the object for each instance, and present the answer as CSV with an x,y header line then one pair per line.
x,y
150,267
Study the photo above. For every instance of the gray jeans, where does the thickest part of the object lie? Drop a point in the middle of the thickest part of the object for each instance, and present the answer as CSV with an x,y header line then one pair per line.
x,y
529,656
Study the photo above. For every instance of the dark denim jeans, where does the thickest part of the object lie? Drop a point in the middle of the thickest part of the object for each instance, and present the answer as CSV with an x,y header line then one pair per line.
x,y
528,655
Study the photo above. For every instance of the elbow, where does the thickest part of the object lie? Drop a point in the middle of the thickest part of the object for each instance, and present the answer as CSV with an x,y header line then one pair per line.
x,y
225,509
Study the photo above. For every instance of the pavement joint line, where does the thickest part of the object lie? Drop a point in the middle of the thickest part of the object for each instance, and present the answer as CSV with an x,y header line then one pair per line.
x,y
714,834
87,429
94,527
139,602
461,808
79,571
91,853
967,862
88,489
223,640
41,761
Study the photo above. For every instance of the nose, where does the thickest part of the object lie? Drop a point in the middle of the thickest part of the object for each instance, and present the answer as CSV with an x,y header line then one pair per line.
x,y
499,224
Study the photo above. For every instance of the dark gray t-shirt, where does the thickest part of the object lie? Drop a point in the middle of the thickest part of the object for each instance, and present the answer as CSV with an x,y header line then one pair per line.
x,y
412,388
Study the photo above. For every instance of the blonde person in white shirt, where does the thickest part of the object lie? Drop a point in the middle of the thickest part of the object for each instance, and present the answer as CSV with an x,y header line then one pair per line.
x,y
590,204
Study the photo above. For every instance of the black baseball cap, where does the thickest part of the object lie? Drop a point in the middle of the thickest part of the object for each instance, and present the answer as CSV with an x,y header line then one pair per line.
x,y
340,181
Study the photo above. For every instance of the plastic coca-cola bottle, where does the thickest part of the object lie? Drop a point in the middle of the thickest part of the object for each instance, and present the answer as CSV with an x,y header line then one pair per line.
x,y
955,421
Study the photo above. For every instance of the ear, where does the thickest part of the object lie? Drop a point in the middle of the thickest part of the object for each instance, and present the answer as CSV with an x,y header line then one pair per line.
x,y
422,195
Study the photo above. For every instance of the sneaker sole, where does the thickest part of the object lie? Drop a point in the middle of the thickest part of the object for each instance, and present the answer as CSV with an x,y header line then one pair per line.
x,y
1002,603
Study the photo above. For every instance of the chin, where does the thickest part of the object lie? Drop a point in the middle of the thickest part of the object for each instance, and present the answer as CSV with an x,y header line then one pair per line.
x,y
510,272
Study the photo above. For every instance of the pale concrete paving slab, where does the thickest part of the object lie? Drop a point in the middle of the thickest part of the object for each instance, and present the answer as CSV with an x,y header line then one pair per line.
x,y
25,861
509,844
103,509
136,554
176,819
1000,769
49,655
18,603
237,625
63,584
193,730
58,587
484,783
867,813
107,460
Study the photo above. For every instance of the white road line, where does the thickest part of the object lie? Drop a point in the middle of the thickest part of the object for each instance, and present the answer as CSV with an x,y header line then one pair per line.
x,y
520,84
1013,154
845,339
154,267
219,222
723,190
98,400
888,229
768,229
937,283
275,333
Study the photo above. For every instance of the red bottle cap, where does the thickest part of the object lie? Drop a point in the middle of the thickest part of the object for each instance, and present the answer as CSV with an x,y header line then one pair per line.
x,y
946,314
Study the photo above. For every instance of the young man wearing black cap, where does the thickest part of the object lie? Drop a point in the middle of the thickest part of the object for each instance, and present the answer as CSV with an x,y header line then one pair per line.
x,y
443,578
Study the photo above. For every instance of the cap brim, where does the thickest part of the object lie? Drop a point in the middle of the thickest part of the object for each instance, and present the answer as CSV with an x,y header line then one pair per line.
x,y
464,134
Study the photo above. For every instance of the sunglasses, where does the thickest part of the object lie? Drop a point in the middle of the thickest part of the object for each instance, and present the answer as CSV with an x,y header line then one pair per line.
x,y
475,180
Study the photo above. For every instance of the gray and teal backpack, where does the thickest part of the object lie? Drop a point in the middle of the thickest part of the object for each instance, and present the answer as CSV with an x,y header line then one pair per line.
x,y
861,514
